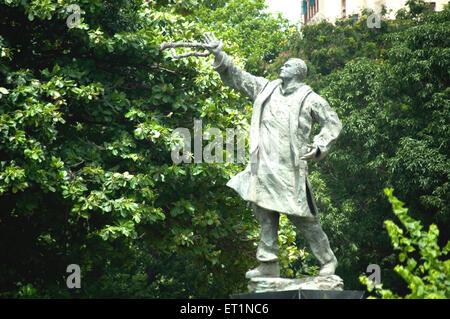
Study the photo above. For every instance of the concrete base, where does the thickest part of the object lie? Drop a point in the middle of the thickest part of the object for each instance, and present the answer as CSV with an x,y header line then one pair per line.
x,y
267,284
303,294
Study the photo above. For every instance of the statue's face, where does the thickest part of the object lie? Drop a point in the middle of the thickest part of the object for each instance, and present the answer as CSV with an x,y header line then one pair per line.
x,y
289,70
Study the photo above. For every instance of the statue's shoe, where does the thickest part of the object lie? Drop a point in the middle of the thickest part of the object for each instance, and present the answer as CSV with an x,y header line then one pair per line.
x,y
329,268
270,269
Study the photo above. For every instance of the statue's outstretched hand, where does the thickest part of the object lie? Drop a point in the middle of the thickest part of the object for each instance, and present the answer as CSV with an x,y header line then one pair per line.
x,y
210,39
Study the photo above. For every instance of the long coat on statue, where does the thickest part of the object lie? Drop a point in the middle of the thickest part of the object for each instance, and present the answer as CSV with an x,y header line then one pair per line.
x,y
276,178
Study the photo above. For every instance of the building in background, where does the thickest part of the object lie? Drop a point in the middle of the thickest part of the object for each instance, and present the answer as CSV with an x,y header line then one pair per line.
x,y
314,11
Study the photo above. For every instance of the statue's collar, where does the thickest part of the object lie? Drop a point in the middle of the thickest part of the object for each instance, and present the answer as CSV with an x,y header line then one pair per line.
x,y
293,87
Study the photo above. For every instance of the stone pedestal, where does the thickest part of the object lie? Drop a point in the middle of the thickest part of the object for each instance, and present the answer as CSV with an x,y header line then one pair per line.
x,y
320,287
267,284
303,294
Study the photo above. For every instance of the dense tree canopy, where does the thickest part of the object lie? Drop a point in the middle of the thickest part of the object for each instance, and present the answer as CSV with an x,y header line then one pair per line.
x,y
86,174
87,111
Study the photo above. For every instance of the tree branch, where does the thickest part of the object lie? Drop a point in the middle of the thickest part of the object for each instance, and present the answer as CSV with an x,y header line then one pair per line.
x,y
167,45
174,45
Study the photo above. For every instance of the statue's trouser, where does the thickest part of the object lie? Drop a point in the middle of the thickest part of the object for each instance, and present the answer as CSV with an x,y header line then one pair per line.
x,y
309,227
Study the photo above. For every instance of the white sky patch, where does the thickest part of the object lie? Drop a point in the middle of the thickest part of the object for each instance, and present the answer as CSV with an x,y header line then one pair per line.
x,y
290,9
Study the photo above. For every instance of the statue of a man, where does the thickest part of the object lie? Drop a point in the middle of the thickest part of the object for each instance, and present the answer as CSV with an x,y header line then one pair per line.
x,y
276,180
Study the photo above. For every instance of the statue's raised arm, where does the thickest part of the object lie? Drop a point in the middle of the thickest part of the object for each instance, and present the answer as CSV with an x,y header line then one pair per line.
x,y
232,75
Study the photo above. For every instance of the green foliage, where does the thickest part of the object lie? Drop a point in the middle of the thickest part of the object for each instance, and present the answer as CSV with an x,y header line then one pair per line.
x,y
245,28
289,254
427,278
86,176
327,48
417,8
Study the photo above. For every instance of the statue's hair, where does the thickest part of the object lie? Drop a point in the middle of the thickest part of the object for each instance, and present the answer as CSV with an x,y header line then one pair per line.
x,y
301,67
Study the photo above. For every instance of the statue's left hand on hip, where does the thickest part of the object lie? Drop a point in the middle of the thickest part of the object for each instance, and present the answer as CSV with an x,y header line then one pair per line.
x,y
313,153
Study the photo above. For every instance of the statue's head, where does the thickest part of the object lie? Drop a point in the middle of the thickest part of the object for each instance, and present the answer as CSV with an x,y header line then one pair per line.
x,y
294,68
